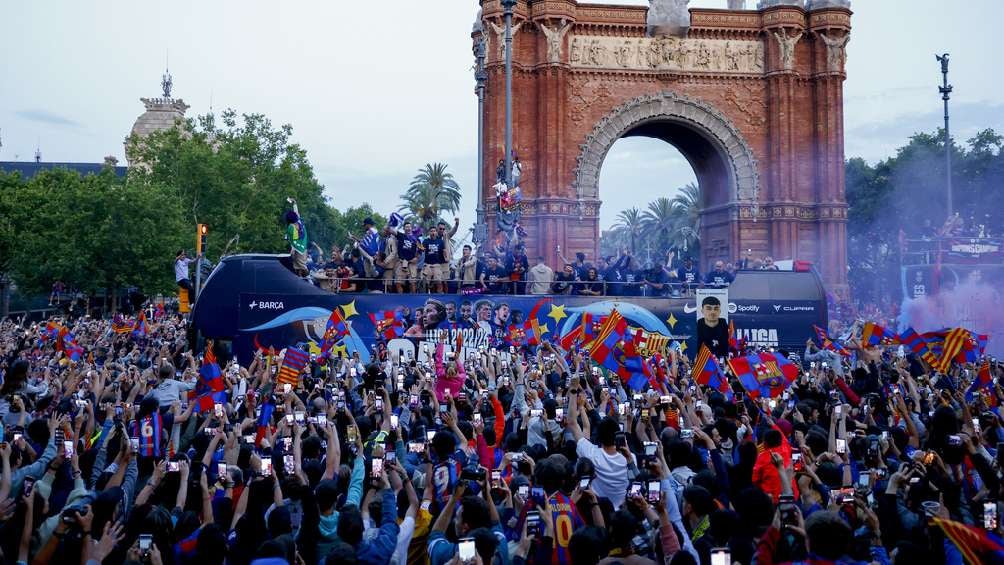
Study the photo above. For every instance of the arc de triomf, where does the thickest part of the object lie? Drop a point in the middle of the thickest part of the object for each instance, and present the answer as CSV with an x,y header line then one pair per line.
x,y
753,100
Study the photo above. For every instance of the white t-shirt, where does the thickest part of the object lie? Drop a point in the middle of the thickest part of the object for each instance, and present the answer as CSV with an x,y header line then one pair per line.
x,y
181,269
611,472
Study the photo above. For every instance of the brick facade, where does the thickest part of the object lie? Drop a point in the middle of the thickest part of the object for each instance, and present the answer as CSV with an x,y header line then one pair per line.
x,y
767,146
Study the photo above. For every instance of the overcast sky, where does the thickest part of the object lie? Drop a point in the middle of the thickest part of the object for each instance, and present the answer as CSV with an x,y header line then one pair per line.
x,y
372,100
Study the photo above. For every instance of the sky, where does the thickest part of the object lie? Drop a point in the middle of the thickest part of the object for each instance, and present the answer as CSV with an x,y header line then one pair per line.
x,y
374,96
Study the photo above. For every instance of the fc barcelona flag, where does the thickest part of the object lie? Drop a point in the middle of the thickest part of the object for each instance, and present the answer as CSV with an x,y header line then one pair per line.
x,y
292,365
389,324
707,372
828,344
766,374
140,330
874,334
210,389
335,329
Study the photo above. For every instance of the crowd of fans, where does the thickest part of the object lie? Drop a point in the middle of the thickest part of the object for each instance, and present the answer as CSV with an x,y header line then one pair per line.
x,y
400,258
490,456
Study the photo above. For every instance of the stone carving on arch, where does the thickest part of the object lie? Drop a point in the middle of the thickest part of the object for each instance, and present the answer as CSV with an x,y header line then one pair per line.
x,y
698,115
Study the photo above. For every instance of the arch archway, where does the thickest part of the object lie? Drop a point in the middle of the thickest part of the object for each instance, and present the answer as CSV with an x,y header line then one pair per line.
x,y
722,160
752,98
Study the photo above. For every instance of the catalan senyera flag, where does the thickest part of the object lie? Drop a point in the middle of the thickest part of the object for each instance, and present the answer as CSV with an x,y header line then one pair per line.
x,y
953,344
120,325
978,546
292,365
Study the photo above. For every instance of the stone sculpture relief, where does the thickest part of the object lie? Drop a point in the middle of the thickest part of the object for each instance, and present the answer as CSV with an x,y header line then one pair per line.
x,y
787,44
667,54
500,36
555,37
836,54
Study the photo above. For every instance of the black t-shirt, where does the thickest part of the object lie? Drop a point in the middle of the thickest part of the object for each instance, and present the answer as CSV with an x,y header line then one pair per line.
x,y
496,279
434,251
718,278
716,338
688,276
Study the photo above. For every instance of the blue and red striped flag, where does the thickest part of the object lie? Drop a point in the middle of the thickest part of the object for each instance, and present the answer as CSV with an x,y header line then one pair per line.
x,y
264,421
388,324
706,371
984,383
210,389
874,334
140,330
334,330
766,374
292,365
828,344
916,342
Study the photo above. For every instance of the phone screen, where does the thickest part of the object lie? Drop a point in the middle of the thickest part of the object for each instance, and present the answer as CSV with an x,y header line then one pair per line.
x,y
377,470
584,483
145,542
990,515
654,488
466,550
721,556
266,467
68,448
841,446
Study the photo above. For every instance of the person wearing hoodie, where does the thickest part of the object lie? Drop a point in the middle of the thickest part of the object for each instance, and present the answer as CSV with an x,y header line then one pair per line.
x,y
326,495
378,550
539,278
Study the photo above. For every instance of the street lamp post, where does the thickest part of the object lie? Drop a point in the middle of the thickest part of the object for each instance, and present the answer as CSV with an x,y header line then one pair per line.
x,y
946,90
481,76
507,6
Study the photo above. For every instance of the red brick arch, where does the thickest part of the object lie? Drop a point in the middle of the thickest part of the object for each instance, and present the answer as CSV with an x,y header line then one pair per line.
x,y
753,99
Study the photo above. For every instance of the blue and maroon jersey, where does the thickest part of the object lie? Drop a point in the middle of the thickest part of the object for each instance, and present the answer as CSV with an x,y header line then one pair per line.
x,y
566,521
149,429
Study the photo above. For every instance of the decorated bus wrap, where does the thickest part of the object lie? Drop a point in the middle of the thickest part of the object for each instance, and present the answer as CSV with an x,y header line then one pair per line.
x,y
412,325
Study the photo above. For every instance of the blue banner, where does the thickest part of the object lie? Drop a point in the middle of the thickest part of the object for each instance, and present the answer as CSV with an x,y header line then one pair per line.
x,y
484,321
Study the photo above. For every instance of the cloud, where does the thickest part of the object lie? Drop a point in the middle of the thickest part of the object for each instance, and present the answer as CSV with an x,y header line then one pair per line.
x,y
46,117
879,139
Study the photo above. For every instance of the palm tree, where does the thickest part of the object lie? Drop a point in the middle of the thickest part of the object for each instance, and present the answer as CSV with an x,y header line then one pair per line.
x,y
686,214
659,223
432,191
630,223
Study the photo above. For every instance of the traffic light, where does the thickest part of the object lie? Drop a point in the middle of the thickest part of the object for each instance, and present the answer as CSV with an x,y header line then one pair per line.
x,y
200,244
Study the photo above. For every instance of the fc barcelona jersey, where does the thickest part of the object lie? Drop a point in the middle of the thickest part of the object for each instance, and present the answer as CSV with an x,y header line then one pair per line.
x,y
149,430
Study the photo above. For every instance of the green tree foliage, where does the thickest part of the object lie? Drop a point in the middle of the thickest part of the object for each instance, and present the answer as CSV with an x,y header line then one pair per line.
x,y
94,232
432,192
665,224
907,191
236,177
